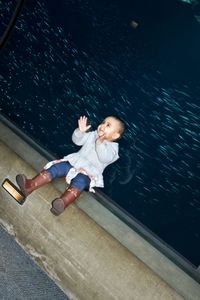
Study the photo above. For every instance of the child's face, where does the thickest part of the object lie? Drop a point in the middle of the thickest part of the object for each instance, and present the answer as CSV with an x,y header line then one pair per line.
x,y
109,129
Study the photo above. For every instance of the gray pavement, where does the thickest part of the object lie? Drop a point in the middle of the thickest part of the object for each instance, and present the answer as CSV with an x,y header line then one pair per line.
x,y
20,277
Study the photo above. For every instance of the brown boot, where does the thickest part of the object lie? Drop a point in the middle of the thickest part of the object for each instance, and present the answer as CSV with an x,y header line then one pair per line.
x,y
69,196
27,186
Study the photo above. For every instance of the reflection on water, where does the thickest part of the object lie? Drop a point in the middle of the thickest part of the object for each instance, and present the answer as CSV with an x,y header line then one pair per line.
x,y
85,58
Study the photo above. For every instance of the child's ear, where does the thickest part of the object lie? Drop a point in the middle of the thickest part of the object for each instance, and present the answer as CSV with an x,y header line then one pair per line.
x,y
116,135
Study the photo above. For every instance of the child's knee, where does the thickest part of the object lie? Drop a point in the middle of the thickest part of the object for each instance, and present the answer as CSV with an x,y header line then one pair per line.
x,y
81,182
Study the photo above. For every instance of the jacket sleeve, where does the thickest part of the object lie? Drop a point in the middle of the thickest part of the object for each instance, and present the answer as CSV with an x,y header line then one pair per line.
x,y
107,152
79,138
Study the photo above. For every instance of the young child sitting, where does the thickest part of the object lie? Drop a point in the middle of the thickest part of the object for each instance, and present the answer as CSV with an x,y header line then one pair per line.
x,y
82,169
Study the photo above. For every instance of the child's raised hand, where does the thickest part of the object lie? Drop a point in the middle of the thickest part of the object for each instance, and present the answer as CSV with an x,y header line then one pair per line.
x,y
82,124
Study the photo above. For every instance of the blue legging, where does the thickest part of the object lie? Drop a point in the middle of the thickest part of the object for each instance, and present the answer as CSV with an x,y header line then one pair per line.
x,y
61,169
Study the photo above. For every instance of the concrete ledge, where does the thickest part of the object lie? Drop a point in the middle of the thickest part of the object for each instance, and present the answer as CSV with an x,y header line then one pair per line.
x,y
93,262
84,260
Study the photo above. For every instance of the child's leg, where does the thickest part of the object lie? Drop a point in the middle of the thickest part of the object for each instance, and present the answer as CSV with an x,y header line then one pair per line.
x,y
78,184
27,186
59,170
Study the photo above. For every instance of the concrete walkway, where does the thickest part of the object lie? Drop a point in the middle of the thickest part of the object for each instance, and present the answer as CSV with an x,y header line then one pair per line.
x,y
20,277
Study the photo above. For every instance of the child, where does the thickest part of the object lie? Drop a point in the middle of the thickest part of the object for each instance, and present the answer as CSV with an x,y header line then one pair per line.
x,y
82,169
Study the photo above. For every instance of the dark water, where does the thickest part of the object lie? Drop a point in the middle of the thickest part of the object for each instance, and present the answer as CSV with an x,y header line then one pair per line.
x,y
80,57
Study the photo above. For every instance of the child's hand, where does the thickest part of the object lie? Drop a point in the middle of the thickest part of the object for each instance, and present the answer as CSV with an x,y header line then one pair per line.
x,y
82,124
100,139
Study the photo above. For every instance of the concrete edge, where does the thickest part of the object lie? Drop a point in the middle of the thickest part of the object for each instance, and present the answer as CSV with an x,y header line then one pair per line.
x,y
135,243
